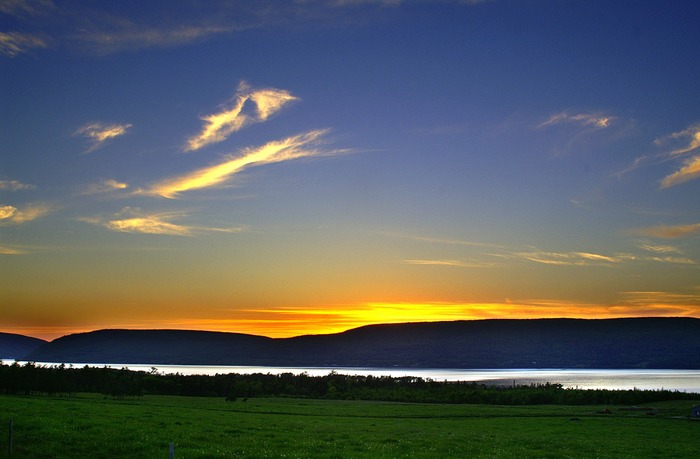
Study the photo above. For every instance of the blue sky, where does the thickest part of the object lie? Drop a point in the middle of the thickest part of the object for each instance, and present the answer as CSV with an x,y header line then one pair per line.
x,y
307,166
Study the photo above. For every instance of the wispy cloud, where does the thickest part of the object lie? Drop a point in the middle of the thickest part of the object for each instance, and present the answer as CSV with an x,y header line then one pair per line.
x,y
91,27
105,186
8,250
689,171
219,126
672,260
677,303
99,133
346,3
152,224
655,252
131,220
569,132
689,140
14,185
668,231
595,120
299,146
26,7
686,142
437,240
595,259
126,35
14,43
570,258
689,137
661,249
10,215
449,263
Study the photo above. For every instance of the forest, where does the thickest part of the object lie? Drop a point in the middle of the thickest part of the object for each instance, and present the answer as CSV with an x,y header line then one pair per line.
x,y
62,380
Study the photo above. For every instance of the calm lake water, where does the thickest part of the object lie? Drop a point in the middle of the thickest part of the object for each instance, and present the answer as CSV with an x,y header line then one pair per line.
x,y
681,380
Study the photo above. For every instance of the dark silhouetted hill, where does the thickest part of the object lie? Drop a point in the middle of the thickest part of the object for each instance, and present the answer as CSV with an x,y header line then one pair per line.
x,y
152,346
14,346
501,343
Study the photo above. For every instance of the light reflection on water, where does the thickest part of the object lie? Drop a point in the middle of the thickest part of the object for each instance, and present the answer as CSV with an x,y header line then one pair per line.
x,y
680,380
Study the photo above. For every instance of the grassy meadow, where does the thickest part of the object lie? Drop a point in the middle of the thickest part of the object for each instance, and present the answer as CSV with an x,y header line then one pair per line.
x,y
89,425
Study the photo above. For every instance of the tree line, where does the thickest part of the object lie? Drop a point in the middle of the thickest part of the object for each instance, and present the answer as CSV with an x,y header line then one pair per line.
x,y
32,379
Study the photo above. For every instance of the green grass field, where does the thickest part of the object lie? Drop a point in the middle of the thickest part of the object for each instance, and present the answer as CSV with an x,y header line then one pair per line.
x,y
94,426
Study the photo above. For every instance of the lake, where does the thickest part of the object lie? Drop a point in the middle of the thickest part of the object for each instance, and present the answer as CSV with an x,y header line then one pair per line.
x,y
680,380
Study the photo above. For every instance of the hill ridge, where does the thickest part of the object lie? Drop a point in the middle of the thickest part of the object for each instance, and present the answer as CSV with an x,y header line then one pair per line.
x,y
489,343
15,346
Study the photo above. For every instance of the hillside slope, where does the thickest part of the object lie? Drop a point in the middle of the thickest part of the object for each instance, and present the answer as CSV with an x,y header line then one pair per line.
x,y
535,343
152,346
13,346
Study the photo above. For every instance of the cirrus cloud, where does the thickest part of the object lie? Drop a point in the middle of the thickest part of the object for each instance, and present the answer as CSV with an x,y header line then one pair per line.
x,y
690,137
7,250
450,263
14,43
669,231
299,146
689,171
219,126
14,185
11,215
682,143
596,120
26,7
99,133
105,186
130,220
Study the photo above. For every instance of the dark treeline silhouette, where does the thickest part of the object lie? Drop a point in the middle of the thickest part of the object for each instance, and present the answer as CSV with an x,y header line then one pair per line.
x,y
31,379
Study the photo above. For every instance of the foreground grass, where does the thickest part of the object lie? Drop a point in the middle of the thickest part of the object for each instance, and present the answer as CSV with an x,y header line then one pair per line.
x,y
94,426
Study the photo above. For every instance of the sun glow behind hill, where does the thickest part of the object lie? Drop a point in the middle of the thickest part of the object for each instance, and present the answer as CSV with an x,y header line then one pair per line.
x,y
291,321
287,322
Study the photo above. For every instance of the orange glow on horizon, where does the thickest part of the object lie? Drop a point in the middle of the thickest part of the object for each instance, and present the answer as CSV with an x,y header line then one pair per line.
x,y
290,321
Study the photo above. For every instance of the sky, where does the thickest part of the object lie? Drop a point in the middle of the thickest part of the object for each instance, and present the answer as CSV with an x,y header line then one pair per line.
x,y
300,167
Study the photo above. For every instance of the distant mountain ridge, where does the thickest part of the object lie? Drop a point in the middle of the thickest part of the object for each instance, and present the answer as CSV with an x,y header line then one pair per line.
x,y
13,346
493,343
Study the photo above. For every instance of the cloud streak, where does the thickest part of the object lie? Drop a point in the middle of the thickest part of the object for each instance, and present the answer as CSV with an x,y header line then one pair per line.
x,y
299,146
680,303
127,35
10,215
691,166
15,43
26,7
7,250
670,232
133,221
654,252
689,171
99,133
249,106
88,26
14,185
596,120
570,258
661,249
105,186
448,263
435,240
593,259
691,135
